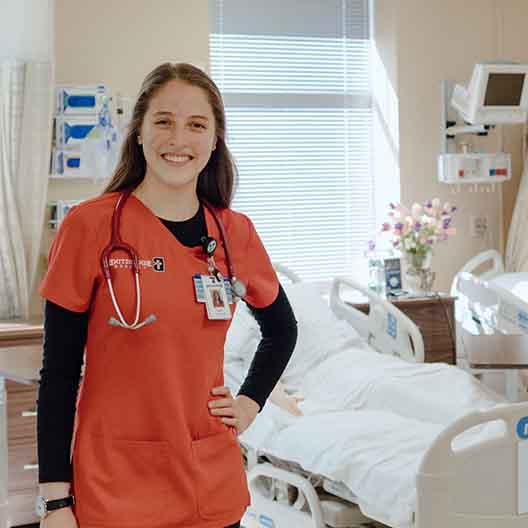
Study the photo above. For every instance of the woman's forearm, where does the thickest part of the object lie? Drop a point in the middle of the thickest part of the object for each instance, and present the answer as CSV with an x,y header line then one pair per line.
x,y
54,490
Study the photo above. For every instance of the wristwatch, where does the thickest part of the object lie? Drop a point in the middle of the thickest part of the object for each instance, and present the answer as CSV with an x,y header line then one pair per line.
x,y
43,506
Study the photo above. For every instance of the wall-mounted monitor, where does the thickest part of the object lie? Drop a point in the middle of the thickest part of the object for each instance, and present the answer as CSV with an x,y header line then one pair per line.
x,y
497,94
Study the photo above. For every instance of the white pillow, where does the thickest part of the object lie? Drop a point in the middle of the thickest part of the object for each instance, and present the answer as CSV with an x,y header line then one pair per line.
x,y
320,332
243,335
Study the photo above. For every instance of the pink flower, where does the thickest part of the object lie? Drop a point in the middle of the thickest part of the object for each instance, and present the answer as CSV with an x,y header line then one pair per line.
x,y
386,226
416,211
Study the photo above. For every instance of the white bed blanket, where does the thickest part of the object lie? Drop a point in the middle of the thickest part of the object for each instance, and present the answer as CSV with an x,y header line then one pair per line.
x,y
361,378
369,419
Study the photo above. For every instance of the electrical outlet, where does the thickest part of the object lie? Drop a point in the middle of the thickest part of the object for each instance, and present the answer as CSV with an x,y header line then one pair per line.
x,y
478,226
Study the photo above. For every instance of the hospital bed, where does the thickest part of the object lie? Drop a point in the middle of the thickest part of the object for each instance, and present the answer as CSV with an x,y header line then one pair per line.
x,y
315,470
492,314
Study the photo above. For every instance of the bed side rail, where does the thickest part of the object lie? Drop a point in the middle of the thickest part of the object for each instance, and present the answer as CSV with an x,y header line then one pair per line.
x,y
493,308
386,328
261,499
474,263
484,484
281,269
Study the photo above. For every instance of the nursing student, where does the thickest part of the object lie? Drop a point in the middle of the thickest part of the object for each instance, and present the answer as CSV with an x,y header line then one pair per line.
x,y
155,443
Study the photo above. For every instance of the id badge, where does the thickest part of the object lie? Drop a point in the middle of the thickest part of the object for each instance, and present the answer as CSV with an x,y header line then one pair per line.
x,y
216,301
199,290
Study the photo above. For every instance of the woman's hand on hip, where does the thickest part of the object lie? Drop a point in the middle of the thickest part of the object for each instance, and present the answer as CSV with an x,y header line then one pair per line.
x,y
236,412
63,518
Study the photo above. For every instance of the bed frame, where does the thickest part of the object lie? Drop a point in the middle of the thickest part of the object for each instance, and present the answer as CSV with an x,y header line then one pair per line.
x,y
482,486
490,317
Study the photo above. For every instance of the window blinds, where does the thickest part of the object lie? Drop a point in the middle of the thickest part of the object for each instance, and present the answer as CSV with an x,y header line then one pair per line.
x,y
295,78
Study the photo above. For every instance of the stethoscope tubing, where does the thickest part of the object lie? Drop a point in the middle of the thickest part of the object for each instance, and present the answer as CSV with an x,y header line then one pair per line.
x,y
116,243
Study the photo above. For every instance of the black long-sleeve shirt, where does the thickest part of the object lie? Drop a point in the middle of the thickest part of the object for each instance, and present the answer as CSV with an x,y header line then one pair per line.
x,y
65,335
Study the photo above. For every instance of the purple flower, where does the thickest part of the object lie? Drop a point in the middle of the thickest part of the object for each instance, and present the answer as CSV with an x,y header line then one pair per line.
x,y
386,226
446,222
429,204
392,206
371,245
429,241
417,227
454,209
398,226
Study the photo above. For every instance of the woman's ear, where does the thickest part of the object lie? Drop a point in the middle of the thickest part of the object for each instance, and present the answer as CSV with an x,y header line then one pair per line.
x,y
139,140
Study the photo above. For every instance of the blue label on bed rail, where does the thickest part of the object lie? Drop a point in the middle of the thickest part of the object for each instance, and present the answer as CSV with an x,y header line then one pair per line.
x,y
522,319
392,326
266,522
522,428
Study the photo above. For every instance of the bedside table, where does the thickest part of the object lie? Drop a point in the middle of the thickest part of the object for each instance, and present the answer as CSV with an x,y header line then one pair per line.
x,y
435,317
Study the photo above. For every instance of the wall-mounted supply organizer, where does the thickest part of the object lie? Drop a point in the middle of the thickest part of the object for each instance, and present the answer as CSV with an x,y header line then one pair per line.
x,y
76,114
86,143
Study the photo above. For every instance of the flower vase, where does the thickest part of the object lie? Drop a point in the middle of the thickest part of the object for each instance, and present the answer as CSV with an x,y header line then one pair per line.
x,y
419,276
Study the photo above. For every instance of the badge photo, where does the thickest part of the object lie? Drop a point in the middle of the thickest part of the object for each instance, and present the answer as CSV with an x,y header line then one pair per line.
x,y
216,301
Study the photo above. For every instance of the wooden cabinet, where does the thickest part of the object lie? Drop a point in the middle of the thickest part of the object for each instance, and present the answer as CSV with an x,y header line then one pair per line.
x,y
435,317
22,468
19,374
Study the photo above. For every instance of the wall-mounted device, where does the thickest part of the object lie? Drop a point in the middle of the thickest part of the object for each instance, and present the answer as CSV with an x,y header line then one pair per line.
x,y
497,94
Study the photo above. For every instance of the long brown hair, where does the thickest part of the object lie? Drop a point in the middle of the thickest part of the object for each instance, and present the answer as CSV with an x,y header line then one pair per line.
x,y
217,179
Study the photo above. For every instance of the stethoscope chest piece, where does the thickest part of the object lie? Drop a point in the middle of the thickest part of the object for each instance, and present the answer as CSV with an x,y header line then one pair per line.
x,y
239,288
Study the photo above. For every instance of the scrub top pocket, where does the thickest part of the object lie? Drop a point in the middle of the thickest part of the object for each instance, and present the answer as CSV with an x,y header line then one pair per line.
x,y
221,480
123,483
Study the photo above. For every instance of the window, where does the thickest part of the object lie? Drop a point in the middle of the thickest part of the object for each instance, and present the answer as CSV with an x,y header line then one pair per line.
x,y
295,78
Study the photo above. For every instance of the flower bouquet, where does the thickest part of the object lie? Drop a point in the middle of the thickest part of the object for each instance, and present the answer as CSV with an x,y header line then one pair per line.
x,y
415,232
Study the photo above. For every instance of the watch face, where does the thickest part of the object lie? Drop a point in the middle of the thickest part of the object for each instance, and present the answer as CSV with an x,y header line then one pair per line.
x,y
40,507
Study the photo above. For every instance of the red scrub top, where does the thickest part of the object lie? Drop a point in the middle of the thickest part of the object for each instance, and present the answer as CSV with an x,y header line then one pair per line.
x,y
147,452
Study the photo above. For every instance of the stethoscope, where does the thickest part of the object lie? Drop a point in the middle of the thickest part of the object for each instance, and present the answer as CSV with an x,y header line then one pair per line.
x,y
116,243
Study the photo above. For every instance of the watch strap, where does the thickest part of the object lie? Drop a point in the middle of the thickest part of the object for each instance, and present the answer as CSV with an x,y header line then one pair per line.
x,y
57,504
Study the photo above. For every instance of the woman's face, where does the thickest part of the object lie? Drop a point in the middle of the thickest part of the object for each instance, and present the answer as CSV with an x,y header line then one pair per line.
x,y
178,134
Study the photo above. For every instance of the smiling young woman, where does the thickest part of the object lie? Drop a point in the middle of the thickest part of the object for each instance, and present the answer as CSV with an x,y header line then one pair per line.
x,y
155,441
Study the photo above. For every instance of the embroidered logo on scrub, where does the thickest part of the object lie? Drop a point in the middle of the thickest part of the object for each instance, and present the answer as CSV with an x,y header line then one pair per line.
x,y
156,264
522,428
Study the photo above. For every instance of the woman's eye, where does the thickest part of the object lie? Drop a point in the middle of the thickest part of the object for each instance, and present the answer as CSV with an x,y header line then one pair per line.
x,y
161,122
200,126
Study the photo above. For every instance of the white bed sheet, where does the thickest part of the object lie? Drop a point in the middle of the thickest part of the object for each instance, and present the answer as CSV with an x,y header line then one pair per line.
x,y
368,420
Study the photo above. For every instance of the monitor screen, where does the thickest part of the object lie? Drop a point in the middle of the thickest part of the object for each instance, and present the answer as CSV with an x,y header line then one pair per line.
x,y
504,89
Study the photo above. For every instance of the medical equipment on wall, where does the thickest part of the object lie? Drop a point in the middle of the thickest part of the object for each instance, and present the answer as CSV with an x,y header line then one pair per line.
x,y
474,168
100,148
79,100
116,243
497,94
86,143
